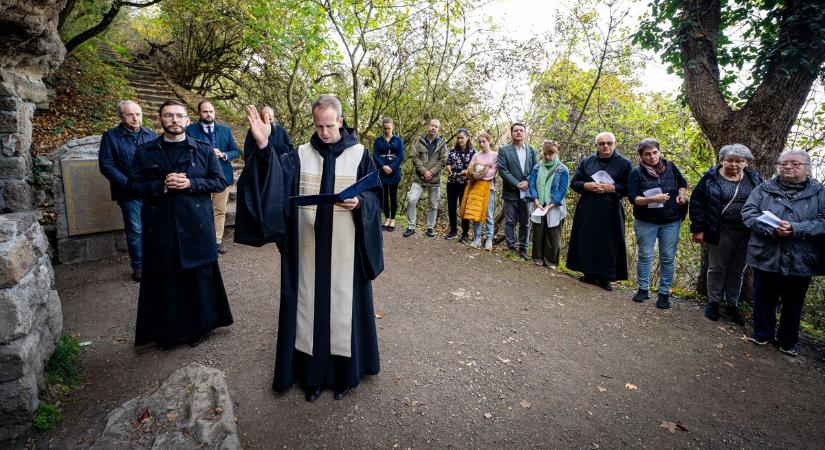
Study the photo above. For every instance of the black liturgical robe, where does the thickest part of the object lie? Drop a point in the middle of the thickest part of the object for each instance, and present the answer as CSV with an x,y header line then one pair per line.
x,y
597,247
323,340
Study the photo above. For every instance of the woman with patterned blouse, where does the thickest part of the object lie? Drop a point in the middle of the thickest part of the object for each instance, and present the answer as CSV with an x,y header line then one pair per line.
x,y
458,159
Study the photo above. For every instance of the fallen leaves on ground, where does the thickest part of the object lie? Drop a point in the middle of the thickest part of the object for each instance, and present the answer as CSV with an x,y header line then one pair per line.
x,y
503,360
673,426
379,314
601,389
632,387
525,404
172,415
488,415
727,363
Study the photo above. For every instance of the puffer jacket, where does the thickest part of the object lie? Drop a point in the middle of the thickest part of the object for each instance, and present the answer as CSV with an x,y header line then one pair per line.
x,y
802,254
706,203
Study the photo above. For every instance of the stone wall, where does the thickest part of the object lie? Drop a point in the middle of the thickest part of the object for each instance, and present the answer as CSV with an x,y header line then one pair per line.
x,y
30,319
30,315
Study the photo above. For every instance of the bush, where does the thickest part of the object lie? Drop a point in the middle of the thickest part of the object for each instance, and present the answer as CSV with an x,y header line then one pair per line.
x,y
47,417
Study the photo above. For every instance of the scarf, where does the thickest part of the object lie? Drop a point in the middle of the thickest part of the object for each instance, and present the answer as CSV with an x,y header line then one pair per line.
x,y
792,190
655,171
547,171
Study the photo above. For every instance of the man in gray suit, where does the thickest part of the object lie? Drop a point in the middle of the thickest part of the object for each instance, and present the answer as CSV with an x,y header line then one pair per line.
x,y
515,162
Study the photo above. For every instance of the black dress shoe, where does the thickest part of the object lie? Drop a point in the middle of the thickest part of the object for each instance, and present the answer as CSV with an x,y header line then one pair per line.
x,y
409,232
390,227
586,279
312,393
196,342
340,393
137,275
604,284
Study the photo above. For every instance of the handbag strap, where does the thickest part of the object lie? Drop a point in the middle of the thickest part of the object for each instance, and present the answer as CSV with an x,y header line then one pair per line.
x,y
736,191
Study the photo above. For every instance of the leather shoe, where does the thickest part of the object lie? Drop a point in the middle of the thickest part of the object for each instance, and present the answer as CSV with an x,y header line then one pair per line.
x,y
312,393
196,342
409,232
430,232
340,393
604,284
222,249
390,227
137,275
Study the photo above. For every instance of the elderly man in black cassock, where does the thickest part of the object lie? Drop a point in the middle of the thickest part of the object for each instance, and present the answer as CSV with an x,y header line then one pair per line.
x,y
330,252
182,297
597,246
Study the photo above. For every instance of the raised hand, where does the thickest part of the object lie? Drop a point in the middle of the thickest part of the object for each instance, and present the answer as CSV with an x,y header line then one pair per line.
x,y
260,129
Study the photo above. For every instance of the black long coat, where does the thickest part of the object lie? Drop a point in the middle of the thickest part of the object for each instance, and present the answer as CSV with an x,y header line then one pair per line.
x,y
178,226
597,245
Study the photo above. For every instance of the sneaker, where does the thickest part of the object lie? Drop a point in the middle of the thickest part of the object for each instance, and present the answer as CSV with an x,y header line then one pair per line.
x,y
476,244
641,295
735,315
450,236
464,239
712,311
789,351
758,341
488,245
430,232
409,232
523,255
222,249
663,301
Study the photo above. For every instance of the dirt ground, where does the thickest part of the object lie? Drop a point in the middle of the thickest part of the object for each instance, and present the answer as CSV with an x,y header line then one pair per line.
x,y
476,351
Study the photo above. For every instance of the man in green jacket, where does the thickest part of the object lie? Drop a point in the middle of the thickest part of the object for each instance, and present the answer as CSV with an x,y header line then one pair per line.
x,y
428,156
515,162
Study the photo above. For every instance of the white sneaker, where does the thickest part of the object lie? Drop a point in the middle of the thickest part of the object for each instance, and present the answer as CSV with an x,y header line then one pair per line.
x,y
475,244
488,245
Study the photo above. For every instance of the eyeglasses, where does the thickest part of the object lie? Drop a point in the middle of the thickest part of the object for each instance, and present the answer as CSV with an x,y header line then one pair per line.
x,y
608,143
178,116
794,164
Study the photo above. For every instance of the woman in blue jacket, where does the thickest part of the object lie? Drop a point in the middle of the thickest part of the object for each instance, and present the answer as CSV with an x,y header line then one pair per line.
x,y
548,185
388,154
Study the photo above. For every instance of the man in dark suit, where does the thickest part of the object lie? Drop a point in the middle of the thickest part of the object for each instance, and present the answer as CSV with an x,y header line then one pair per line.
x,y
117,149
220,137
515,163
182,297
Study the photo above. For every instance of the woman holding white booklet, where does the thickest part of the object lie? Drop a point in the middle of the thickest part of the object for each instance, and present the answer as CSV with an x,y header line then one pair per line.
x,y
658,192
548,185
786,254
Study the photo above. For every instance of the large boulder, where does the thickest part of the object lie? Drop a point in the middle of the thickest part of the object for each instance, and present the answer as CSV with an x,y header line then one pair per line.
x,y
190,410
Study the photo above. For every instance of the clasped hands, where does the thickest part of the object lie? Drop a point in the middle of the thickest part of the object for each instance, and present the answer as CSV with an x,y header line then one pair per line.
x,y
600,188
177,181
784,229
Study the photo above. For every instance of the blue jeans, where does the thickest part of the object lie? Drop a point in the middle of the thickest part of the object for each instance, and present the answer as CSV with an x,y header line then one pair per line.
x,y
646,235
491,208
132,227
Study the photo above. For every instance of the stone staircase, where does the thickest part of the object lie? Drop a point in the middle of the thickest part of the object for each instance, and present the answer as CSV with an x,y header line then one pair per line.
x,y
152,90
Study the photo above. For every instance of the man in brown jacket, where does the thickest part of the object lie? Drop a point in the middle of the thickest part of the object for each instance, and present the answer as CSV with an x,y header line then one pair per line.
x,y
428,156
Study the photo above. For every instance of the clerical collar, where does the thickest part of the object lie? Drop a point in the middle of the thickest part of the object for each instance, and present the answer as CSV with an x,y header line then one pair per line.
x,y
181,139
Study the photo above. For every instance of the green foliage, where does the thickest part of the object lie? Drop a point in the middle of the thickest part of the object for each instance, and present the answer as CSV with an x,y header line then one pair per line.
x,y
47,417
100,85
62,376
750,39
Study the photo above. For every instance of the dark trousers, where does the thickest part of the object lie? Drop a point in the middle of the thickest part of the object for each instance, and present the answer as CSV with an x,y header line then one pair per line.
x,y
454,193
390,200
546,243
768,288
516,211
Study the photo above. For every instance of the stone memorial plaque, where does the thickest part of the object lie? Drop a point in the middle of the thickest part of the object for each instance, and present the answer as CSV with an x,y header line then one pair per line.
x,y
89,208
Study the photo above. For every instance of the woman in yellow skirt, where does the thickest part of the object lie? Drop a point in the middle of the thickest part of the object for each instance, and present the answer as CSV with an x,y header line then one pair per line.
x,y
479,195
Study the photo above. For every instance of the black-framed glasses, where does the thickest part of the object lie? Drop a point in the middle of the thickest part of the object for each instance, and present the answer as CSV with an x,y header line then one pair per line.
x,y
178,116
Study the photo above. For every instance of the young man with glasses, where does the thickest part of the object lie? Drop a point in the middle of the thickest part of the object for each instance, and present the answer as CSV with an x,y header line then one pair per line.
x,y
182,297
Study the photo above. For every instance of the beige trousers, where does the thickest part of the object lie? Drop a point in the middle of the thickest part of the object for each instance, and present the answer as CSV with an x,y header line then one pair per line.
x,y
219,210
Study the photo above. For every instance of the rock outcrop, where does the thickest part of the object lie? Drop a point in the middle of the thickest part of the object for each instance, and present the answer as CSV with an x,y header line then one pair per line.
x,y
190,410
30,319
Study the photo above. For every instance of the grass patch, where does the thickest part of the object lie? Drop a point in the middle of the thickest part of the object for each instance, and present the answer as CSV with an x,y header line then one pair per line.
x,y
63,375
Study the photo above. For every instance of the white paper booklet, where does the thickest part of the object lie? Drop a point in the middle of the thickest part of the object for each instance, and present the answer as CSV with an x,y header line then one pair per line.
x,y
769,218
602,177
651,193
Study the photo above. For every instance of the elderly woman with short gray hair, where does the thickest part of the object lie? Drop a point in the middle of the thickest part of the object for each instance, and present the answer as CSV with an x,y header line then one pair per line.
x,y
716,220
786,250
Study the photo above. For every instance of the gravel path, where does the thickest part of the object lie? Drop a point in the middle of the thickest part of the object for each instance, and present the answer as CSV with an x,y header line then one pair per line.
x,y
522,357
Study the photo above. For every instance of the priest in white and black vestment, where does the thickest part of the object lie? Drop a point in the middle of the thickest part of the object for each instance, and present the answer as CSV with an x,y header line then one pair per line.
x,y
330,252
